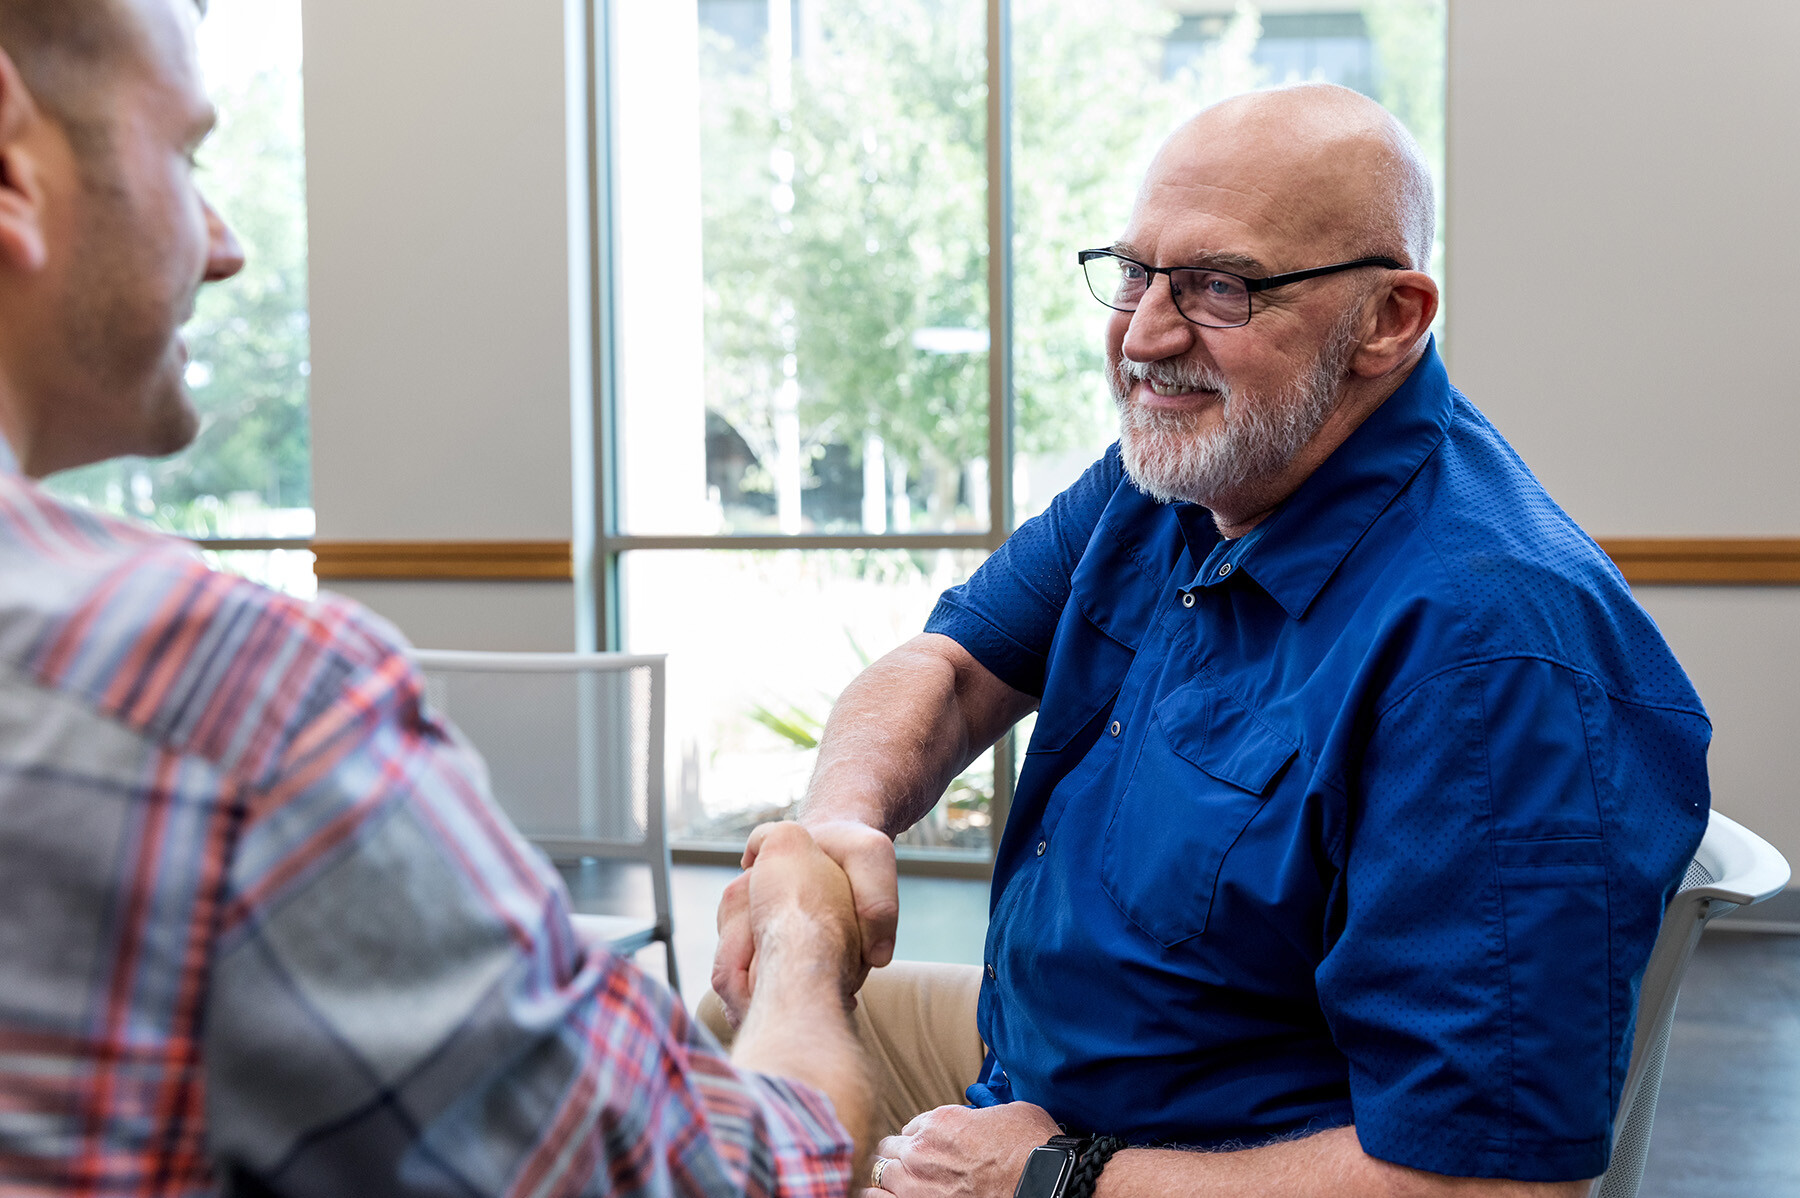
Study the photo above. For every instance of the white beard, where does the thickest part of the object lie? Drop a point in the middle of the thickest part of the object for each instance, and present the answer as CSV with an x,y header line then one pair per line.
x,y
1170,461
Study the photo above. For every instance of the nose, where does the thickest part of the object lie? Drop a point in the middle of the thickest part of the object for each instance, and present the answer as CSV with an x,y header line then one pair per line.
x,y
1157,330
224,252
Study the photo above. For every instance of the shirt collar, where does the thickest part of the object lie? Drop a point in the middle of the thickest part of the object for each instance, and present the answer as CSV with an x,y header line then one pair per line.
x,y
1302,544
8,463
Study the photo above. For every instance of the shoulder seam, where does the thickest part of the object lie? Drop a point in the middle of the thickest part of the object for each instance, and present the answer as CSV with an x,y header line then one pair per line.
x,y
1491,658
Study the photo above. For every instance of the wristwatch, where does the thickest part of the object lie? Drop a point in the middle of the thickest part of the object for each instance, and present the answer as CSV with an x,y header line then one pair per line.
x,y
1048,1167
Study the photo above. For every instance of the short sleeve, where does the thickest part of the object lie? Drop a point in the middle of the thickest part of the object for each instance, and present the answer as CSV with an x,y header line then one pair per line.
x,y
1006,614
1513,837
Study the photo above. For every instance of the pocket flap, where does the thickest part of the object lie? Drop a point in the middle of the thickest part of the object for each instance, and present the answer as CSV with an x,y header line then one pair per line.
x,y
1214,731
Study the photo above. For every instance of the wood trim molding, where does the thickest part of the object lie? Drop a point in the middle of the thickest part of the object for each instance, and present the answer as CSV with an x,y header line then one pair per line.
x,y
1730,561
444,560
1712,561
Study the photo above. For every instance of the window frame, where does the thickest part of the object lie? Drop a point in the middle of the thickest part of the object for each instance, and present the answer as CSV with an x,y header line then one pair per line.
x,y
610,544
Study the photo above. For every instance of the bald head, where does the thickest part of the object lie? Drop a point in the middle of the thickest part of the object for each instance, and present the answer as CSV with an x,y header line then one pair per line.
x,y
1332,171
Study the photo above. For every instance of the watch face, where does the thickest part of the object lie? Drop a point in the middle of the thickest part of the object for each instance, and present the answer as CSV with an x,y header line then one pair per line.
x,y
1045,1171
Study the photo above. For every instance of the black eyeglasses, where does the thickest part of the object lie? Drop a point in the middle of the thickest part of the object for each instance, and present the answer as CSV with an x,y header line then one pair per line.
x,y
1216,299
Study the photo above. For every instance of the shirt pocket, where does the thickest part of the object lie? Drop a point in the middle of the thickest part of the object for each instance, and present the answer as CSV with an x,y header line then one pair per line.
x,y
1553,903
1203,772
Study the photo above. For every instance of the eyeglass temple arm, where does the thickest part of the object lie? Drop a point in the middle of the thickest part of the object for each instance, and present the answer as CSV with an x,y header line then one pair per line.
x,y
1295,276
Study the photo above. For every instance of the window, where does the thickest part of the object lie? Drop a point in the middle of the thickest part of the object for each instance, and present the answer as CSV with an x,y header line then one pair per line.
x,y
835,382
243,489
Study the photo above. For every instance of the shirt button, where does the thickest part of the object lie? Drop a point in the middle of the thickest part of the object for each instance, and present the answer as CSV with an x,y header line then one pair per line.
x,y
1116,728
1187,599
1225,570
990,972
1042,845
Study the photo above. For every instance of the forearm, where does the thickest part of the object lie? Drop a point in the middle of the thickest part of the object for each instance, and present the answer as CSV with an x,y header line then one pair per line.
x,y
1330,1163
903,730
798,1025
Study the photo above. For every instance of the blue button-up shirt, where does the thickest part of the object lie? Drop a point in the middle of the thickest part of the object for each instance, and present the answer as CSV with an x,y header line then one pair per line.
x,y
1367,817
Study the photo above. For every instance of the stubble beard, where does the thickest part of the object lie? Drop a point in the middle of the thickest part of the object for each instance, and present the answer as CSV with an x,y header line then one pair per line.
x,y
128,377
1171,460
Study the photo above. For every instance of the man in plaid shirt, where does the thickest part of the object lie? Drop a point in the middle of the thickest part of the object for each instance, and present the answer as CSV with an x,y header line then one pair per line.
x,y
261,928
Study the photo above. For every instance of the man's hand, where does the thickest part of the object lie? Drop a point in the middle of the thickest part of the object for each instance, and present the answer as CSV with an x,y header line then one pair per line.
x,y
806,955
865,855
731,975
963,1152
800,912
896,738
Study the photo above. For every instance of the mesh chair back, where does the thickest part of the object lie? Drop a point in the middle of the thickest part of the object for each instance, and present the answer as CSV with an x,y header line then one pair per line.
x,y
573,744
1733,867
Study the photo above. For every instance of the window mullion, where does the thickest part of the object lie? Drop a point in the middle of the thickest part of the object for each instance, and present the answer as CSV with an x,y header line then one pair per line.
x,y
1000,337
1000,269
602,246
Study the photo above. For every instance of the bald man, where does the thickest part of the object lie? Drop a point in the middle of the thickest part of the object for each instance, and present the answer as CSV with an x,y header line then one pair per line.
x,y
1358,783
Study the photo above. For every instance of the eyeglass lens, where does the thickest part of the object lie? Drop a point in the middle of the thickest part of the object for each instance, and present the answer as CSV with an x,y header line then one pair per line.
x,y
1206,297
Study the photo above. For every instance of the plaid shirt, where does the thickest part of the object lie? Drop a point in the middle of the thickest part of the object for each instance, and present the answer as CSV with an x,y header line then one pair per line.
x,y
262,929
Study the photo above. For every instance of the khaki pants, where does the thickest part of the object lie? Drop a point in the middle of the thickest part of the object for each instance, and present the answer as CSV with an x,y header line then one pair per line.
x,y
916,1022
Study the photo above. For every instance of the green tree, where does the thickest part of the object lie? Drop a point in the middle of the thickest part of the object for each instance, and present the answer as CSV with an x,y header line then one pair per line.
x,y
837,228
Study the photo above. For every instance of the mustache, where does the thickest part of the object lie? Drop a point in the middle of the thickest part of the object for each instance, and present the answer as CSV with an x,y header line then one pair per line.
x,y
1182,376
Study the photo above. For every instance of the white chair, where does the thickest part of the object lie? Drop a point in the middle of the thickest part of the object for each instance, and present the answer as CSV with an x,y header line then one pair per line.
x,y
1734,867
574,749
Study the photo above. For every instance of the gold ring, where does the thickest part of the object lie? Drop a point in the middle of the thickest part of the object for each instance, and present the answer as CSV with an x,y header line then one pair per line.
x,y
881,1164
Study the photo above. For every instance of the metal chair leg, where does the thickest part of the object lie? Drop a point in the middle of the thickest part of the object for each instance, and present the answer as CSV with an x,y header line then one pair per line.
x,y
668,940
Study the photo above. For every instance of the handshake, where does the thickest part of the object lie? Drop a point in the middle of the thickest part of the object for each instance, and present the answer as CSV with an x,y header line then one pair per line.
x,y
799,930
814,911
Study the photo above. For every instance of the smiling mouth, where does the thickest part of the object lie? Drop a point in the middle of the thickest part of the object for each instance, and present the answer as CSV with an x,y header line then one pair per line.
x,y
1163,390
1169,390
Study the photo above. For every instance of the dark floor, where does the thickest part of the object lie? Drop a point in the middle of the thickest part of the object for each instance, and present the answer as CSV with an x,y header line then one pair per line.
x,y
1727,1122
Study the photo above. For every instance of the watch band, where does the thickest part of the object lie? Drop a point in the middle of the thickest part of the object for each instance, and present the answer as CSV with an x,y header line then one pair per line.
x,y
1095,1152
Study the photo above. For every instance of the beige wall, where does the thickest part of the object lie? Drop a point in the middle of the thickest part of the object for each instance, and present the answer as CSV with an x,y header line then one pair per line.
x,y
444,174
510,617
1622,261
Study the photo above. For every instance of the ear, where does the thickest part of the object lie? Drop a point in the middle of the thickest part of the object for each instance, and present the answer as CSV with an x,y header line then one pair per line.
x,y
1402,316
22,240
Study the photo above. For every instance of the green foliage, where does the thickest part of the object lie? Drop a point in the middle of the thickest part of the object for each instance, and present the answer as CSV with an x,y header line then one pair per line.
x,y
248,339
798,727
886,234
